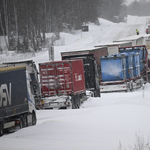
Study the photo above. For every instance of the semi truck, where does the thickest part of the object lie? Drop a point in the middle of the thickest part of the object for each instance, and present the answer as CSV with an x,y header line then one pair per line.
x,y
62,84
92,65
17,104
126,70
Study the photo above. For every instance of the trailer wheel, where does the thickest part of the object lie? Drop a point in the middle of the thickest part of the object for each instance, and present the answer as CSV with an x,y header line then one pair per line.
x,y
77,102
73,103
33,119
21,122
1,129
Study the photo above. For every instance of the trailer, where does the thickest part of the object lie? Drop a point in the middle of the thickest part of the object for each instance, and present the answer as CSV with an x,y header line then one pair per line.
x,y
113,48
17,105
62,84
92,65
32,70
125,71
136,40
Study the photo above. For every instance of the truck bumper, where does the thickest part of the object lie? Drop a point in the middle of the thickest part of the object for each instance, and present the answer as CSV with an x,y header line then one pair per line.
x,y
125,86
55,102
113,88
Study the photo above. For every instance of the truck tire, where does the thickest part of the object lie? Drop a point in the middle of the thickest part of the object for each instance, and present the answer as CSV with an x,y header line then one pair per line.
x,y
97,93
73,103
128,87
78,102
33,119
21,123
25,121
1,129
131,89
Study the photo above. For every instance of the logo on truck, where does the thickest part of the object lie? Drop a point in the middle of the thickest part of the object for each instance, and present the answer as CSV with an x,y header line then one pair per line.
x,y
5,95
78,77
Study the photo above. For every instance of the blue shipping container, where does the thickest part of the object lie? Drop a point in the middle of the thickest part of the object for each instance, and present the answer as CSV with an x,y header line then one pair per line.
x,y
113,67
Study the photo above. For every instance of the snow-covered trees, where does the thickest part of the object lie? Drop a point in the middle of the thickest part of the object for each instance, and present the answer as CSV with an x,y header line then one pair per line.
x,y
27,21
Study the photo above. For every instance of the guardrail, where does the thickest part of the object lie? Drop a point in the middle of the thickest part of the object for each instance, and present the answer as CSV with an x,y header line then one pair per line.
x,y
16,57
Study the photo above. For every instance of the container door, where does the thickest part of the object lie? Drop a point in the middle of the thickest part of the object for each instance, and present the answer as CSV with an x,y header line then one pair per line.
x,y
64,80
130,65
137,64
48,82
123,68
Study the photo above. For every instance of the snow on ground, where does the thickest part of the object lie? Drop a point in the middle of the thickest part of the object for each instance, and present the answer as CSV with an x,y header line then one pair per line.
x,y
100,123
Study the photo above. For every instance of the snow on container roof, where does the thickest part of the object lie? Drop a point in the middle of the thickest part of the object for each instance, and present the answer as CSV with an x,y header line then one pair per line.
x,y
145,35
60,61
84,50
130,38
114,44
17,62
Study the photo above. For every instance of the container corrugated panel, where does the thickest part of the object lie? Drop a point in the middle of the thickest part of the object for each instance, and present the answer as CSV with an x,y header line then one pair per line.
x,y
62,77
133,64
129,65
113,68
142,54
137,65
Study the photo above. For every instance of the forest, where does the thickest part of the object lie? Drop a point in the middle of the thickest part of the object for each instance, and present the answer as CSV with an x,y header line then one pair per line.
x,y
24,23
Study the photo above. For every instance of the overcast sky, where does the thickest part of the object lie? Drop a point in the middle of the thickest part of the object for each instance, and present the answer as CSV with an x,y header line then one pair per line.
x,y
130,1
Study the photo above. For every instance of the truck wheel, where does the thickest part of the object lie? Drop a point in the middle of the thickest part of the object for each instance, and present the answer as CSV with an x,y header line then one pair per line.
x,y
33,119
128,89
97,93
73,103
21,122
25,121
78,103
1,129
131,87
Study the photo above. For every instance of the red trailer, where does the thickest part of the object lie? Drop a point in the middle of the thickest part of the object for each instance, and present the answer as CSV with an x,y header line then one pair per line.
x,y
62,83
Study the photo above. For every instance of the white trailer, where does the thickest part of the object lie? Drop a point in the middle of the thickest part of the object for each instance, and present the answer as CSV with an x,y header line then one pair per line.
x,y
136,40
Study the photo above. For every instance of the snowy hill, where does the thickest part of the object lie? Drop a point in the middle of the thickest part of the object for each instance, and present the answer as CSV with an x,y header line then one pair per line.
x,y
100,123
106,32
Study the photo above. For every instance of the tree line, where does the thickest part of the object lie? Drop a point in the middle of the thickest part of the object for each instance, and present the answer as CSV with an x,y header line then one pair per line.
x,y
26,22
